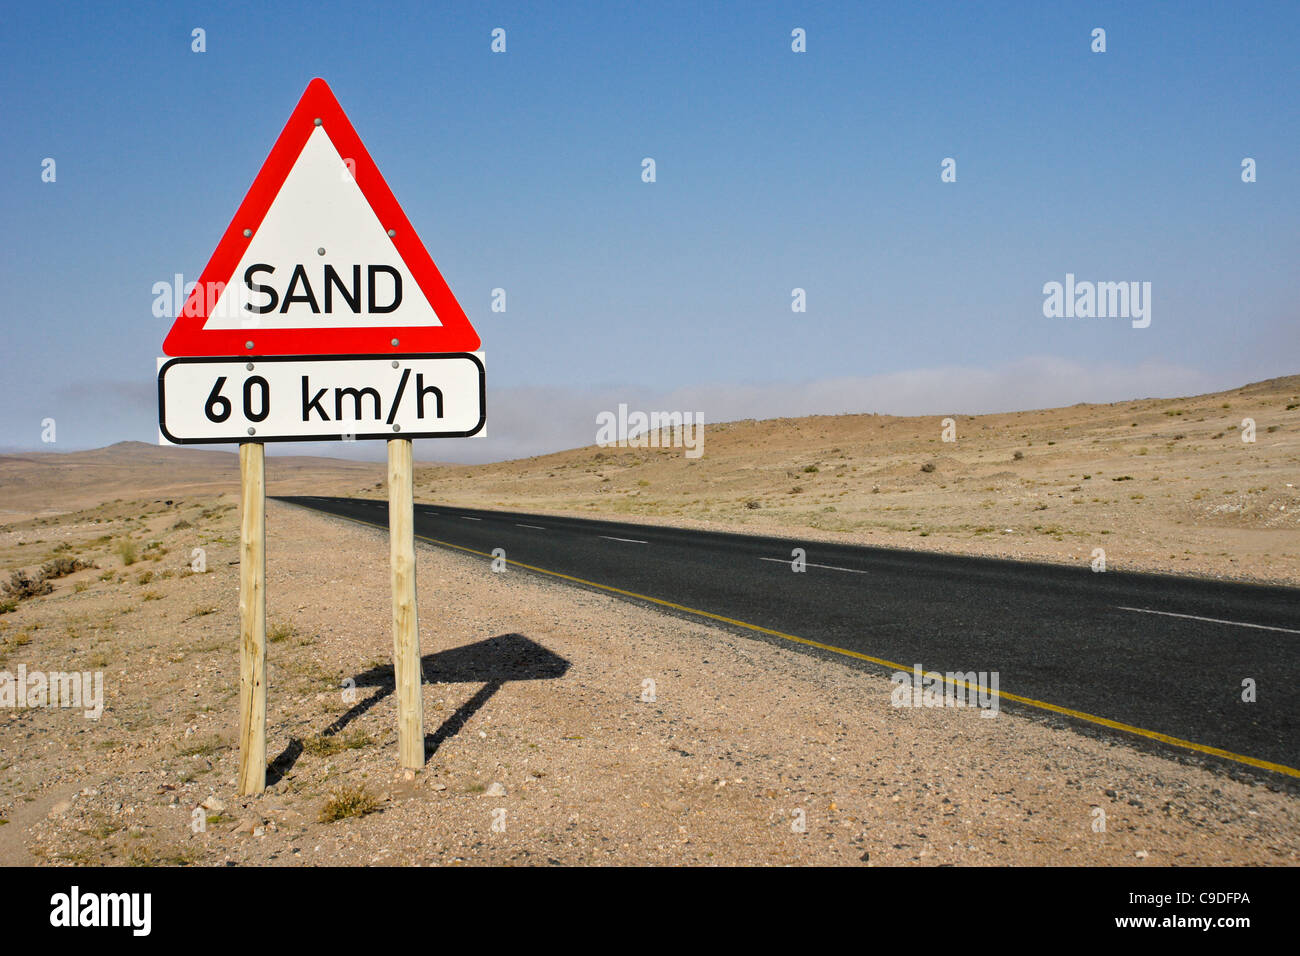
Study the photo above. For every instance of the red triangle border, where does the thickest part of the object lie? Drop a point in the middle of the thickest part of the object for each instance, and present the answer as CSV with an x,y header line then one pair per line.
x,y
188,337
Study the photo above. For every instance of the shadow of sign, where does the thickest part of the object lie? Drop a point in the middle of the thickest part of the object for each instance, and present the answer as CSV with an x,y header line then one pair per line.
x,y
491,662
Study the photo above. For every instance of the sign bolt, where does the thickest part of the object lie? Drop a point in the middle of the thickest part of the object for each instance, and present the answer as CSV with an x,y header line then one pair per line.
x,y
247,233
320,250
397,428
396,364
249,366
252,430
248,344
395,343
391,233
316,121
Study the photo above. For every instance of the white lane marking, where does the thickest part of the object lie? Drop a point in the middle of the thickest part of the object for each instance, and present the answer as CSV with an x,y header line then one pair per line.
x,y
828,567
468,518
1212,620
628,540
535,527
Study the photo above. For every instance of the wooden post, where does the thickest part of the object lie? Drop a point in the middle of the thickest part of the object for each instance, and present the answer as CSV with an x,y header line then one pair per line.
x,y
252,618
406,619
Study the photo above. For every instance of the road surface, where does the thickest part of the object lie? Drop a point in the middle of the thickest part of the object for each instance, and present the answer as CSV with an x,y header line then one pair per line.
x,y
1155,659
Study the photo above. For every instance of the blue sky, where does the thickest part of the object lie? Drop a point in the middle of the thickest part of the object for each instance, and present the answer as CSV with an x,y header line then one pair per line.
x,y
775,170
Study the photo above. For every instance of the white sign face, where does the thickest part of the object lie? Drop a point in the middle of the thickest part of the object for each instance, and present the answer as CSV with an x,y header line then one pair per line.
x,y
321,398
320,259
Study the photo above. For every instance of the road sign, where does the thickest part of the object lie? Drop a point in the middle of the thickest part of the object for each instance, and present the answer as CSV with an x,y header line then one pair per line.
x,y
320,259
319,398
314,320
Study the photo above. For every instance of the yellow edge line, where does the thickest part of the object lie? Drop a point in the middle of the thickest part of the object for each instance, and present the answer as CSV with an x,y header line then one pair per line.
x,y
1029,701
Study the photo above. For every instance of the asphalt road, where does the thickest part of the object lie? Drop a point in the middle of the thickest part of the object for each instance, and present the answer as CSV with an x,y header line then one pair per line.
x,y
1162,655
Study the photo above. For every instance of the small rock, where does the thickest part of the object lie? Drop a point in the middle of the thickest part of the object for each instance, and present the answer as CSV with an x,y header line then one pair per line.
x,y
213,804
439,786
1141,854
496,790
259,831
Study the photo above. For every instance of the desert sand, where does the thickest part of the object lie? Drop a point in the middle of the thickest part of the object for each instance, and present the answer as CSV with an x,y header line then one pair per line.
x,y
545,747
547,750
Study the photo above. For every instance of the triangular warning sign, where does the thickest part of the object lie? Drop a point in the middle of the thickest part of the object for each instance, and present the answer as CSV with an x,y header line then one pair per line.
x,y
320,259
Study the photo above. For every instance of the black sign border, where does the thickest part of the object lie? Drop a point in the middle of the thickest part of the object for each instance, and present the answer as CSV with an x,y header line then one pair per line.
x,y
354,436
